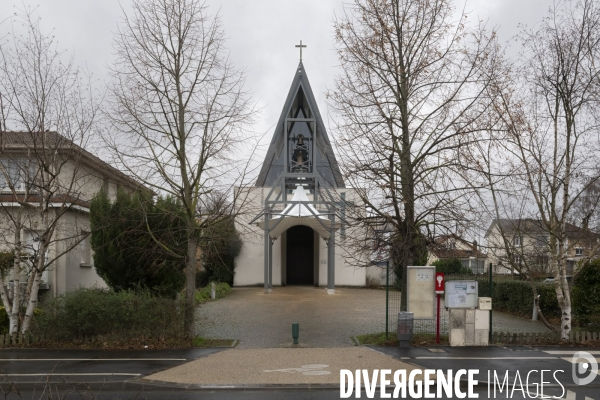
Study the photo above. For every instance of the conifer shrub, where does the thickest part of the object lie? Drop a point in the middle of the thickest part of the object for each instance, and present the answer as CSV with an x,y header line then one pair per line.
x,y
586,296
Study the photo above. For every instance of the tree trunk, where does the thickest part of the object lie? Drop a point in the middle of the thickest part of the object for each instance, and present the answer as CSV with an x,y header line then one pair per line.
x,y
16,300
32,303
190,283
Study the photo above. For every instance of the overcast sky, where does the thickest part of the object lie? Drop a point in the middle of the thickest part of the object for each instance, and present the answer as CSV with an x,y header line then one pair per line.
x,y
261,37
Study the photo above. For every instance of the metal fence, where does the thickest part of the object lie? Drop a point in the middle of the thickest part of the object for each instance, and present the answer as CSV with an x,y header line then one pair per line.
x,y
393,296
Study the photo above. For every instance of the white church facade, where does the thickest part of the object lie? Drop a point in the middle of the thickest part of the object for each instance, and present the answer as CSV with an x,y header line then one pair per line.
x,y
293,221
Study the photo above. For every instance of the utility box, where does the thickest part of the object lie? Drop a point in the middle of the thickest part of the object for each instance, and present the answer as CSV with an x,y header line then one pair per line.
x,y
405,328
469,327
485,303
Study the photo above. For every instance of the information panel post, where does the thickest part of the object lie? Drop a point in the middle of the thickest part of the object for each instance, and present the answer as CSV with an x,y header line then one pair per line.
x,y
439,290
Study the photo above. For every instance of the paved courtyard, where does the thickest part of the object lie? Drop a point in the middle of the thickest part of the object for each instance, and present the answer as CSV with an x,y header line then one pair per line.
x,y
265,321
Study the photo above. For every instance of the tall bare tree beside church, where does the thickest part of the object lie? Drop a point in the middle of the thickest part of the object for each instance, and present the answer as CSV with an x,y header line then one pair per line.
x,y
178,110
412,88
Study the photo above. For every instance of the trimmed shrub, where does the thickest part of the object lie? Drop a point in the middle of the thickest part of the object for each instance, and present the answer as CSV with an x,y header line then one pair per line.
x,y
85,312
221,290
220,244
516,297
450,266
586,296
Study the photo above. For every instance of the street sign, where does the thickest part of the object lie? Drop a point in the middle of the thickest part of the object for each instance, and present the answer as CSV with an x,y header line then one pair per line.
x,y
439,283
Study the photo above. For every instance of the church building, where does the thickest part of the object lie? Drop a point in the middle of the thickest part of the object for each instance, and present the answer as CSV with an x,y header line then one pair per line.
x,y
293,220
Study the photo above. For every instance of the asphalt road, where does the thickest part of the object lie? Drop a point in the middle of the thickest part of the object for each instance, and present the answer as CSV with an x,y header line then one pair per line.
x,y
89,366
583,394
74,374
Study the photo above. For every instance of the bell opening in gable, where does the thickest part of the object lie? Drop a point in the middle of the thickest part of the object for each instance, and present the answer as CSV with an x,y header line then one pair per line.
x,y
300,136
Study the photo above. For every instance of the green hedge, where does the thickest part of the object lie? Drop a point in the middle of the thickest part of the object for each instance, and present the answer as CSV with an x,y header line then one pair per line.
x,y
516,297
103,312
586,296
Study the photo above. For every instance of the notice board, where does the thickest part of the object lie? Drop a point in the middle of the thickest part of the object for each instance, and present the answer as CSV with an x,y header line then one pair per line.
x,y
461,294
420,294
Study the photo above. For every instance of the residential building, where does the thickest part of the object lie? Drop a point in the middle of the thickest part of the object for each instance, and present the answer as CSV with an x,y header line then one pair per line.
x,y
46,169
527,241
455,247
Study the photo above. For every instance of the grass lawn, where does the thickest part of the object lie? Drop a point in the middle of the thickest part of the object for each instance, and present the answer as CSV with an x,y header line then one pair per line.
x,y
419,339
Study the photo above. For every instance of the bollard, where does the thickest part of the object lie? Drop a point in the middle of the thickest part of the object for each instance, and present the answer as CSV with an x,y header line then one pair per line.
x,y
295,331
213,291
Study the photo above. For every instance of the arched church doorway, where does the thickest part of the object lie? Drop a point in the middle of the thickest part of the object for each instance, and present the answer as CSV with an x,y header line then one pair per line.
x,y
300,261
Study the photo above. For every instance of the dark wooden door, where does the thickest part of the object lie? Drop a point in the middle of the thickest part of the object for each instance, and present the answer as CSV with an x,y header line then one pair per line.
x,y
300,256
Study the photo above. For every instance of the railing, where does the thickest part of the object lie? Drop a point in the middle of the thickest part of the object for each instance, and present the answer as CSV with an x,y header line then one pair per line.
x,y
541,338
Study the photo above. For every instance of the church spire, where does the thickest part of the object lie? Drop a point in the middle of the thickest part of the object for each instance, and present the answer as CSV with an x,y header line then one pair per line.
x,y
300,144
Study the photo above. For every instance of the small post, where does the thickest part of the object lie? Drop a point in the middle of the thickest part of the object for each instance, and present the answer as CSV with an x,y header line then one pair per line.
x,y
295,331
387,298
534,314
491,295
213,291
437,324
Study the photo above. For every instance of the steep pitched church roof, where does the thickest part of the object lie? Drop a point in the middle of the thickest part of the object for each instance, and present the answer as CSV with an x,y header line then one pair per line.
x,y
324,162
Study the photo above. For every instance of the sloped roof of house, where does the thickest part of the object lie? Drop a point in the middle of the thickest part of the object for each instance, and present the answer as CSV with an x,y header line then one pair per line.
x,y
15,141
532,226
440,248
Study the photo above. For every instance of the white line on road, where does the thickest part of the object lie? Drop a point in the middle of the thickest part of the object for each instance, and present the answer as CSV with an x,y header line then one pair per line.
x,y
486,358
92,359
570,352
76,374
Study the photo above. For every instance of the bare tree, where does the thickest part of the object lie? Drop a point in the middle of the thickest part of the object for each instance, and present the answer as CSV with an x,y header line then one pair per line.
x,y
41,181
547,125
179,111
411,92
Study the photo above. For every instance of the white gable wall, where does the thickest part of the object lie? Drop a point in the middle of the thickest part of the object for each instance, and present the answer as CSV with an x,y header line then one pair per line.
x,y
249,268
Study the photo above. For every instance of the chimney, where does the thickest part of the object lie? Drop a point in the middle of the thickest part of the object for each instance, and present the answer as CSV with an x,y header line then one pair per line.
x,y
474,245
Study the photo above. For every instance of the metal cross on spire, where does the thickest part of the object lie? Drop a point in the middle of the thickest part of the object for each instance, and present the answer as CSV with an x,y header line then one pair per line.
x,y
301,46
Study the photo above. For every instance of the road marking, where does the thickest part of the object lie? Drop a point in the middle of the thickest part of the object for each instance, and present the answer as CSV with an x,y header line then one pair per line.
x,y
569,352
76,374
487,358
92,359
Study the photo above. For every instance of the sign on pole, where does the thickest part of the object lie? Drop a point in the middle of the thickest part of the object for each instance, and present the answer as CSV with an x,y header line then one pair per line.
x,y
440,283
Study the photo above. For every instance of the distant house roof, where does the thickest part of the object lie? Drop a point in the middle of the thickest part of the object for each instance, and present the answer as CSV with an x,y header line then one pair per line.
x,y
532,226
441,248
15,141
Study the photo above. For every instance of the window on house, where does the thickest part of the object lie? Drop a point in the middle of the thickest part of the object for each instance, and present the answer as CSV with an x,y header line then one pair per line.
x,y
579,251
517,259
30,243
451,244
517,241
16,172
84,252
541,241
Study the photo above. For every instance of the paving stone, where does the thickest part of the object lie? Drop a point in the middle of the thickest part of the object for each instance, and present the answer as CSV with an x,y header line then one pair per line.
x,y
261,320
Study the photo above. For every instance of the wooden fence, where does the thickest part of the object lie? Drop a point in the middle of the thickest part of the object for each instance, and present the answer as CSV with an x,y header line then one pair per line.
x,y
541,338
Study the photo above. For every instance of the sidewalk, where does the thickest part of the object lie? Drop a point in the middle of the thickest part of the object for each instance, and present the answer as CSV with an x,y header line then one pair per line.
x,y
277,366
